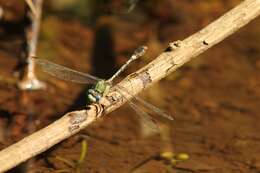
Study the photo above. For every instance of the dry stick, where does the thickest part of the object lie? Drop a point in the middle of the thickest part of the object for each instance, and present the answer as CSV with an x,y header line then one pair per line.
x,y
175,56
32,7
30,80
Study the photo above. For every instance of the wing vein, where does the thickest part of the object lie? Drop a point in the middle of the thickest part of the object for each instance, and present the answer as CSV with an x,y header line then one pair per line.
x,y
65,73
147,105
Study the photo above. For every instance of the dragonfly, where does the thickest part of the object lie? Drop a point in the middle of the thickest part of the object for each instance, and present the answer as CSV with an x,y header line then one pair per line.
x,y
101,87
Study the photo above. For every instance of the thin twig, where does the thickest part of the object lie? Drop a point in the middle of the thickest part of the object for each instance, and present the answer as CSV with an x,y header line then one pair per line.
x,y
32,7
30,81
177,54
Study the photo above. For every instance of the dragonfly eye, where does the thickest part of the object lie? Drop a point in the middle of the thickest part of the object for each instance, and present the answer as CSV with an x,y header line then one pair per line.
x,y
92,98
98,97
91,91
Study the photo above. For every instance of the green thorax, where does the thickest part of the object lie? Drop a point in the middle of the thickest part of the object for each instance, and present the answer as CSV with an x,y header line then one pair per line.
x,y
101,87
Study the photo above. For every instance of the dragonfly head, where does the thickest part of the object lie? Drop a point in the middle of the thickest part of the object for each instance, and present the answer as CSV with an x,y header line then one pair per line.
x,y
93,96
98,91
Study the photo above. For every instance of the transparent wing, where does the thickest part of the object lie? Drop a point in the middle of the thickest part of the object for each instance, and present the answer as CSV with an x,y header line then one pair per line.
x,y
147,121
147,105
64,73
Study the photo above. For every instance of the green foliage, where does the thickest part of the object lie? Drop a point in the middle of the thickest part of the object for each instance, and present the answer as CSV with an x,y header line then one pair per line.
x,y
74,166
173,158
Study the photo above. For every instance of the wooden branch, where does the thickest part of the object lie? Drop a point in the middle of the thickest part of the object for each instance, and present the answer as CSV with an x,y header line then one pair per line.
x,y
32,7
177,54
30,81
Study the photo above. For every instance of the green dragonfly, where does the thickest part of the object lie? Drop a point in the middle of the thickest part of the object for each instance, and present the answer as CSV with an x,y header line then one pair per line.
x,y
101,87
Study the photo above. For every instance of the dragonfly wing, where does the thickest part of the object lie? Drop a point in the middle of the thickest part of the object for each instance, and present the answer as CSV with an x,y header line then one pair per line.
x,y
146,121
147,105
64,73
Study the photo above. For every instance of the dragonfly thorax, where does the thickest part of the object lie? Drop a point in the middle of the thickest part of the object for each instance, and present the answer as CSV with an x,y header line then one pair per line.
x,y
98,91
